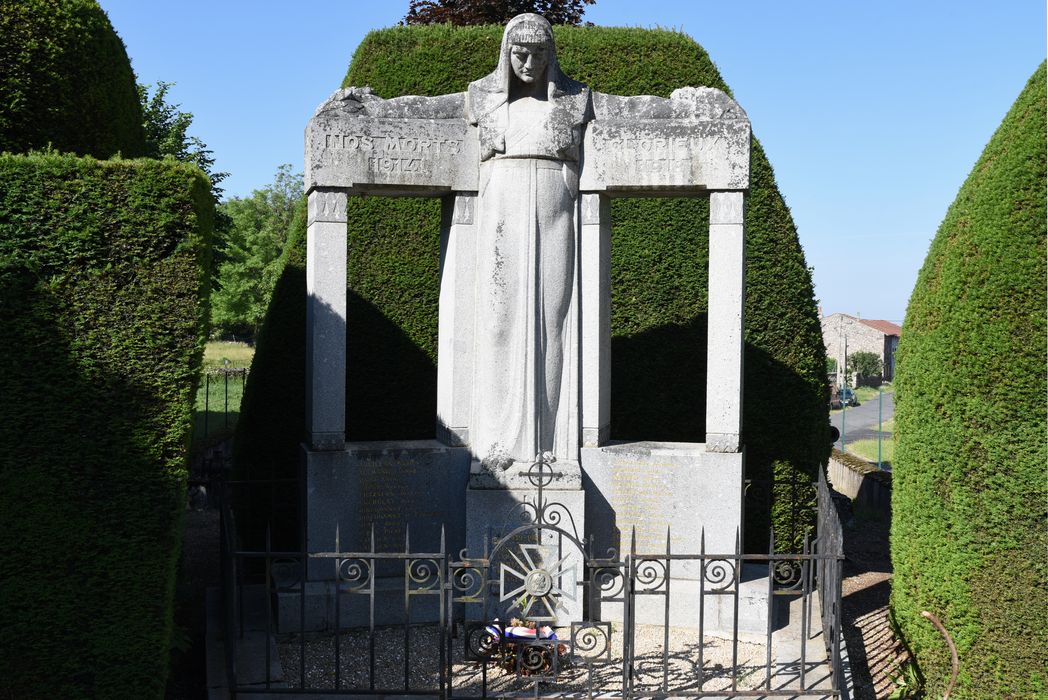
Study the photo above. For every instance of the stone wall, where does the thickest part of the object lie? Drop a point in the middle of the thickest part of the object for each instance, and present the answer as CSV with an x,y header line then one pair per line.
x,y
869,487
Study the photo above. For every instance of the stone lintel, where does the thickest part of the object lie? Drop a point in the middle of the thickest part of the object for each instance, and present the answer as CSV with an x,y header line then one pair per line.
x,y
373,146
653,157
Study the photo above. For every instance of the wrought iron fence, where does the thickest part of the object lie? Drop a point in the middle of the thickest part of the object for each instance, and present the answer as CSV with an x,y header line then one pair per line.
x,y
537,614
222,389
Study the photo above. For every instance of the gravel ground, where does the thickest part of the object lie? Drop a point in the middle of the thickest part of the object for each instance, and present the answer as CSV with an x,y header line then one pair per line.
x,y
872,647
604,674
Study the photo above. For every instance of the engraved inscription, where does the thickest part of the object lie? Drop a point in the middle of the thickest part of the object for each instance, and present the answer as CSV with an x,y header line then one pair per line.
x,y
394,496
370,154
639,499
643,152
388,152
679,154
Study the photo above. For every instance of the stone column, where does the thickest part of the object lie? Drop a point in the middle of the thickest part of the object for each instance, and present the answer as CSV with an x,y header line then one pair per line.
x,y
455,325
326,319
727,275
595,257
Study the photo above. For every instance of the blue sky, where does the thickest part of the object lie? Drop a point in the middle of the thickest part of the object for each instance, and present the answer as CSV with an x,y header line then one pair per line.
x,y
872,114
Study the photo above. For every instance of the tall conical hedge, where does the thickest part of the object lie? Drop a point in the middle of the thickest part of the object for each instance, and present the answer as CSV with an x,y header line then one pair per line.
x,y
66,81
103,305
659,283
968,531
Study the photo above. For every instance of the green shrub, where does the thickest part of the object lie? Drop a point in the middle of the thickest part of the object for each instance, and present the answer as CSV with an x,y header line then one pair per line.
x,y
659,284
865,364
103,306
66,81
968,531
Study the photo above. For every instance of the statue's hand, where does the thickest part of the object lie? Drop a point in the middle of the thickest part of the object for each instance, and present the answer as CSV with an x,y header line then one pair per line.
x,y
349,99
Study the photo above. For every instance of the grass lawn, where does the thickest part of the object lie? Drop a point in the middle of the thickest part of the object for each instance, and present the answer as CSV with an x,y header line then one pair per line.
x,y
869,393
218,397
867,449
238,354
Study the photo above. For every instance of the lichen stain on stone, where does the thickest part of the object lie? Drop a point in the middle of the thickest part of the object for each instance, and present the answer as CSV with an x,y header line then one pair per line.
x,y
498,276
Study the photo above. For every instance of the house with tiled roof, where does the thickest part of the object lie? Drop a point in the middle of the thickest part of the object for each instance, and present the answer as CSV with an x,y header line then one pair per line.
x,y
843,334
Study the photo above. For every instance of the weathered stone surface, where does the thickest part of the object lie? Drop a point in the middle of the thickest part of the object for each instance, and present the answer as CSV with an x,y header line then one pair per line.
x,y
390,486
595,249
408,145
660,486
697,140
680,490
458,253
724,350
669,157
326,320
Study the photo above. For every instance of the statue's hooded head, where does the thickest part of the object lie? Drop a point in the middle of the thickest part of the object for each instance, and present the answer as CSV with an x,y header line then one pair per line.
x,y
533,33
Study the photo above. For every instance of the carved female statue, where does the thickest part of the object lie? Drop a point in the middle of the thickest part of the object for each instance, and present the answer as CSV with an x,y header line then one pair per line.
x,y
530,118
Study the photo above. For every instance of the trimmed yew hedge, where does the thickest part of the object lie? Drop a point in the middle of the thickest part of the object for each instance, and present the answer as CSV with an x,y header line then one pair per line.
x,y
66,81
103,281
968,525
659,281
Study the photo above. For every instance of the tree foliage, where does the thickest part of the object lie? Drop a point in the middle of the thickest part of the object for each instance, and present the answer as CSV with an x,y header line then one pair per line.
x,y
166,131
865,363
968,528
469,12
253,243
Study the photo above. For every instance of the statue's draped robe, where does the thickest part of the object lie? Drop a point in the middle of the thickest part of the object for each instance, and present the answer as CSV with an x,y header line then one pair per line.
x,y
527,252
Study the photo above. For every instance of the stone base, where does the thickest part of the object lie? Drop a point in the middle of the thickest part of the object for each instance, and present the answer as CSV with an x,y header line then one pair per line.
x,y
393,488
663,488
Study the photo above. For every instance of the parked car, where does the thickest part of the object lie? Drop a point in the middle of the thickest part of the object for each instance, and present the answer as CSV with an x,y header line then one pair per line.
x,y
842,396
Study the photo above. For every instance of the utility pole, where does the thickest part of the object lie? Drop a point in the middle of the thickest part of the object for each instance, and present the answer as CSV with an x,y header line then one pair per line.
x,y
844,403
880,423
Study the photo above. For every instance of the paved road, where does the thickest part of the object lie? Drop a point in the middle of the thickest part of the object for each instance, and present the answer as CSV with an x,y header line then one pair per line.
x,y
860,422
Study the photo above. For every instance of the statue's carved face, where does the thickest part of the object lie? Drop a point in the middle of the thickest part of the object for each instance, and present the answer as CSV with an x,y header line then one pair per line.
x,y
529,61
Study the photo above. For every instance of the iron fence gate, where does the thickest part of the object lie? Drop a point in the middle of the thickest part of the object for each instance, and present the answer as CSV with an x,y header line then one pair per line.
x,y
538,614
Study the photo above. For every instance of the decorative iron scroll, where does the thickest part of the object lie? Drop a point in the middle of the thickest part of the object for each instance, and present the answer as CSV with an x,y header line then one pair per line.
x,y
354,573
590,642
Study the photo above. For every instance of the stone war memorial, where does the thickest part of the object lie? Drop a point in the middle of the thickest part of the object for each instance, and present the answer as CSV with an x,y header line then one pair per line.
x,y
522,539
525,162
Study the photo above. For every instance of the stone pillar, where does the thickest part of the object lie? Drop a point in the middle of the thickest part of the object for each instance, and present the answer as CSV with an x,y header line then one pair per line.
x,y
727,275
455,325
326,319
596,318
